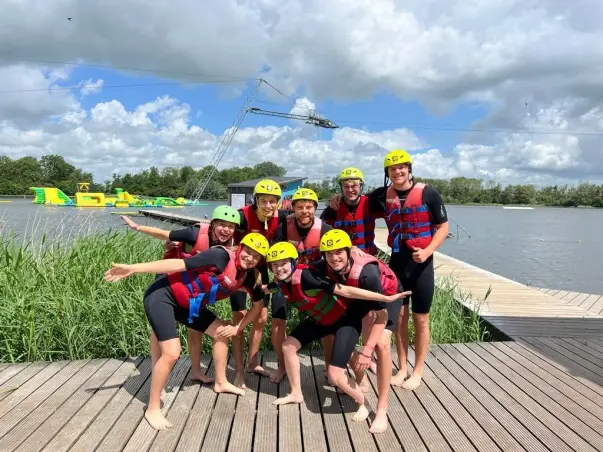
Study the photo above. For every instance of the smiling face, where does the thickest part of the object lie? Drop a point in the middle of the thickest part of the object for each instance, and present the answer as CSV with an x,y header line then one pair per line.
x,y
351,189
267,205
399,175
222,231
281,269
304,212
248,258
337,260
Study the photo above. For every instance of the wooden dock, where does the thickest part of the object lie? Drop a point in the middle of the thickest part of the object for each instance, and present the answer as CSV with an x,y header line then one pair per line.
x,y
534,394
542,390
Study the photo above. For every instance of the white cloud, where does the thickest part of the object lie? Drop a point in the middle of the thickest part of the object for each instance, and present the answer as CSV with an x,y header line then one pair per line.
x,y
91,87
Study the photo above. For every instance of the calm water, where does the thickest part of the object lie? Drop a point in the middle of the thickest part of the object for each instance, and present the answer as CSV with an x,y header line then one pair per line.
x,y
546,247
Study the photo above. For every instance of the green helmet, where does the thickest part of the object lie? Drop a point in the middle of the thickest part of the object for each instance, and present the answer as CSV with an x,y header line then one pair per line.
x,y
227,213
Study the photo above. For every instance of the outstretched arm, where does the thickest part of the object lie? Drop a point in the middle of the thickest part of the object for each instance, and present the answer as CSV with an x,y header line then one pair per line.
x,y
161,234
120,271
367,295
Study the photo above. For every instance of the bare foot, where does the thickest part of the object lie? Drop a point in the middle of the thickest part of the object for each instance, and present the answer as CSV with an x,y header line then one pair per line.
x,y
239,381
277,375
365,385
198,375
413,382
398,379
379,424
362,413
257,369
291,398
156,420
228,387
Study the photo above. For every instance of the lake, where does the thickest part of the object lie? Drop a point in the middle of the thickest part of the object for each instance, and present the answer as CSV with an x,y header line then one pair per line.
x,y
545,247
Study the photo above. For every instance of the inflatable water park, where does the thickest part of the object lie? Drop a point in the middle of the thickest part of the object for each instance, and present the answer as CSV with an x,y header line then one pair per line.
x,y
52,196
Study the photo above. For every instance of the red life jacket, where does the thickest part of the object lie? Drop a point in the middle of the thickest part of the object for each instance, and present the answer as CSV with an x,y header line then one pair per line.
x,y
411,223
325,309
389,281
308,248
201,287
202,244
360,226
254,224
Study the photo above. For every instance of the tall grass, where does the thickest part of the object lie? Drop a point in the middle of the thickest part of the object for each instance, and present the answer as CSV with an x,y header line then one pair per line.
x,y
54,303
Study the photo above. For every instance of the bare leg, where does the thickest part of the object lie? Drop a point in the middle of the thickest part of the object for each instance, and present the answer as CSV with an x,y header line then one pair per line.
x,y
327,346
220,355
290,348
384,375
195,345
402,347
421,322
170,352
237,350
279,329
349,386
253,361
367,323
155,349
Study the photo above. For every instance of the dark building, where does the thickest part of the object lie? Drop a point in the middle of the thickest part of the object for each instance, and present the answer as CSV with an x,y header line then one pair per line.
x,y
240,193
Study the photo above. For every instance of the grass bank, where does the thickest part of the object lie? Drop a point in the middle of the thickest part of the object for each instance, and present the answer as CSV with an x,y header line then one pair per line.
x,y
55,304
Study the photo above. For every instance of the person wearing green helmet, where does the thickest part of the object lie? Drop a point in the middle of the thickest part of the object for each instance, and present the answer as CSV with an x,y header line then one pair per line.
x,y
186,242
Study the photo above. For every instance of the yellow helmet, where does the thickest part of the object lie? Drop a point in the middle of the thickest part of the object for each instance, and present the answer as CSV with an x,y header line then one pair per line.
x,y
304,193
281,250
257,242
396,157
267,187
350,173
335,239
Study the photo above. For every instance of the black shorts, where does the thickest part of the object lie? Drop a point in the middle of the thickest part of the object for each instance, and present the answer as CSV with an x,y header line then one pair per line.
x,y
421,282
163,312
347,330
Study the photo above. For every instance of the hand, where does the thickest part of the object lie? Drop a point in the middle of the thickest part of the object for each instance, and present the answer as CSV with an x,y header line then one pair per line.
x,y
169,245
129,222
335,201
420,255
265,288
398,296
227,330
117,272
363,361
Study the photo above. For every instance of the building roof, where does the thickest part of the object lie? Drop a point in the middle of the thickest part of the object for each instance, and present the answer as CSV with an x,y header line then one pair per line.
x,y
278,180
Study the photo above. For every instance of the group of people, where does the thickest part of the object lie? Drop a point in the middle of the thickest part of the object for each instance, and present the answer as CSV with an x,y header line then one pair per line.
x,y
325,267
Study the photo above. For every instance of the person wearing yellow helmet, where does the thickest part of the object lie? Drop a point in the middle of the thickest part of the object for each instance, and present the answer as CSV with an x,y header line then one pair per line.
x,y
186,242
303,230
332,308
349,265
183,293
262,217
418,224
351,212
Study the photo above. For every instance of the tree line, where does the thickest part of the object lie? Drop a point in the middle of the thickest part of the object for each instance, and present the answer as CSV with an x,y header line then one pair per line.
x,y
17,175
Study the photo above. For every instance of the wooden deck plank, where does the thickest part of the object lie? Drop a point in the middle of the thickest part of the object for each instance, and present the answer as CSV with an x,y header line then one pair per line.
x,y
578,299
195,429
101,395
552,375
579,420
96,431
17,375
310,411
334,422
556,426
451,432
30,386
290,433
519,422
179,412
581,357
267,419
589,347
243,427
570,296
39,427
477,437
131,429
220,424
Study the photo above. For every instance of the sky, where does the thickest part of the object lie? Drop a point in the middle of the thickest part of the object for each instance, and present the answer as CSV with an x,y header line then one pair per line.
x,y
503,90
